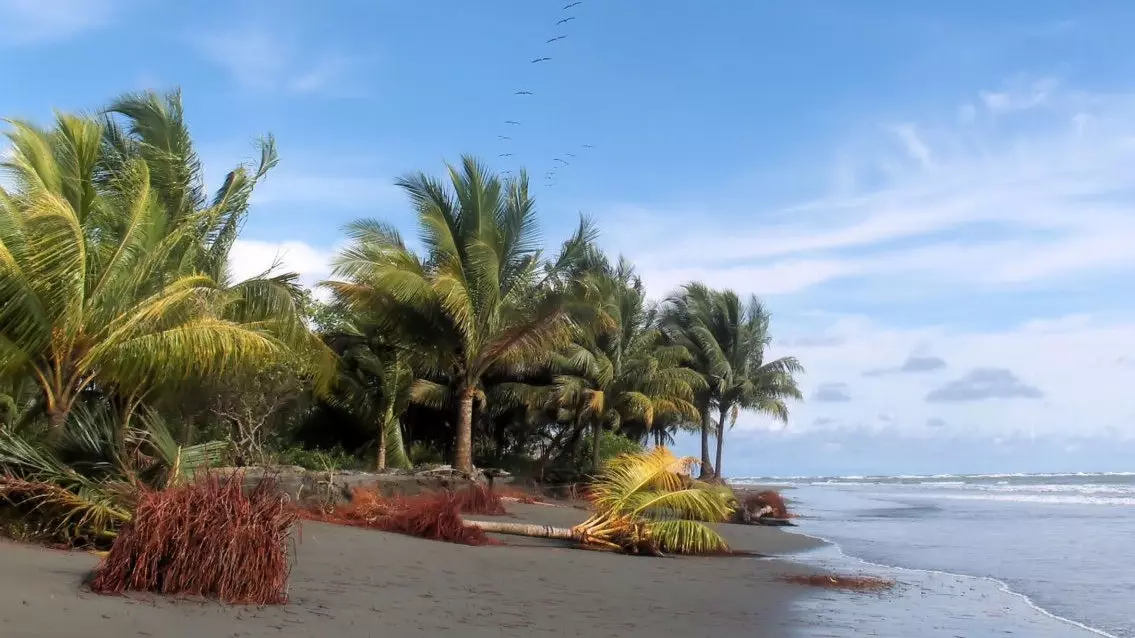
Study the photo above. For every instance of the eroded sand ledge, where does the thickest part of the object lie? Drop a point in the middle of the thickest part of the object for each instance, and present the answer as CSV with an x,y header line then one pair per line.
x,y
352,583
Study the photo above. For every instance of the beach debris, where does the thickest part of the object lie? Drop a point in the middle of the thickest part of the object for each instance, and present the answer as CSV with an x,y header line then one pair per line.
x,y
761,508
433,516
208,538
836,581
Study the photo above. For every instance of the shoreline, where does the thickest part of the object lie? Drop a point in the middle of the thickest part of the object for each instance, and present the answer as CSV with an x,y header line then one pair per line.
x,y
354,582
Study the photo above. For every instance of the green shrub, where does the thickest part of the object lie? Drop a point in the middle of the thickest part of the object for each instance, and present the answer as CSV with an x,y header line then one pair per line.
x,y
611,444
424,454
333,459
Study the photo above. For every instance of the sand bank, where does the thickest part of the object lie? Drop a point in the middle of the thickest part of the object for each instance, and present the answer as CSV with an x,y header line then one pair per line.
x,y
350,583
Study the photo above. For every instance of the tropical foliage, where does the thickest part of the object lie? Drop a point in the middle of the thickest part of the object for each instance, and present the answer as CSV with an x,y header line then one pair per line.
x,y
129,354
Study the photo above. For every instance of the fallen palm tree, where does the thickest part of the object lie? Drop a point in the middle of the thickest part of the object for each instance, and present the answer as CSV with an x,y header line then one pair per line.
x,y
644,503
208,538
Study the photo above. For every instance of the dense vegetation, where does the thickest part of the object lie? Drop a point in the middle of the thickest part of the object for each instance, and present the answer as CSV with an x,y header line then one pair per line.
x,y
129,355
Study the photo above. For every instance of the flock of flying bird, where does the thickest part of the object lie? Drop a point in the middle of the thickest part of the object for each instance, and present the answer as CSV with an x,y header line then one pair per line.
x,y
557,162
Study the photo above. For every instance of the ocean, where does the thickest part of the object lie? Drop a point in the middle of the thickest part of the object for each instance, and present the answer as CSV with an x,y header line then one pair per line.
x,y
1039,556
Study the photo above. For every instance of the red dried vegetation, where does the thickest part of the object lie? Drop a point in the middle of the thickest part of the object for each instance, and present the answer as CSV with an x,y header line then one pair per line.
x,y
849,583
433,516
478,499
769,498
519,495
209,539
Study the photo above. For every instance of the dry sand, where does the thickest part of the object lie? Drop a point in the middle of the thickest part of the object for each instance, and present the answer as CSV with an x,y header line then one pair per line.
x,y
351,583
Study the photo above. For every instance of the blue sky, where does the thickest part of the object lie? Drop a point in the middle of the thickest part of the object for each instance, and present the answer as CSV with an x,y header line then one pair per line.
x,y
935,200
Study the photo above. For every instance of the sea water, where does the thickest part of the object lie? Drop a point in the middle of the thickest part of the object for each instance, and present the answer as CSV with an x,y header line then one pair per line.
x,y
1049,555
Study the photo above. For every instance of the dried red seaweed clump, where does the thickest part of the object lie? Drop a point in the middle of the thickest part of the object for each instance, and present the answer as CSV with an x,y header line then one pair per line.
x,y
756,503
434,516
478,499
208,539
836,581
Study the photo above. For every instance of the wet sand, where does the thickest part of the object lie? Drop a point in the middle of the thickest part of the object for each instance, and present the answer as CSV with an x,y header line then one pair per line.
x,y
350,583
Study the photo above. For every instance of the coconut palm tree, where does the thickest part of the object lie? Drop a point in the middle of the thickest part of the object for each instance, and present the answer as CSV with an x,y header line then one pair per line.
x,y
622,372
107,288
375,383
478,296
690,319
644,503
742,334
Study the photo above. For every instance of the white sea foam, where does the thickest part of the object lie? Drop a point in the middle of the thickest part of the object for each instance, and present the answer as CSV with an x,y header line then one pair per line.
x,y
1000,584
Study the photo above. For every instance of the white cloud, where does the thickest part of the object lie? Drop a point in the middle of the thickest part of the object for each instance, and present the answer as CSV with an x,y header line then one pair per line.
x,y
914,145
1071,359
1028,200
257,59
34,21
250,257
1020,96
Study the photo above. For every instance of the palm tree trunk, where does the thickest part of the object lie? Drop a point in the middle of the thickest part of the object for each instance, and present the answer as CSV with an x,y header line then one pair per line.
x,y
706,424
380,465
463,461
720,443
597,430
523,529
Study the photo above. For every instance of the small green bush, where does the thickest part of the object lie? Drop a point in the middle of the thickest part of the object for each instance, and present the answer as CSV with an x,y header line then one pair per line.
x,y
333,459
424,454
611,444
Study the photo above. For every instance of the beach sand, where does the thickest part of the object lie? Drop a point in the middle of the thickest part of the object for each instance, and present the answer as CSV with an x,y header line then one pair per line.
x,y
353,583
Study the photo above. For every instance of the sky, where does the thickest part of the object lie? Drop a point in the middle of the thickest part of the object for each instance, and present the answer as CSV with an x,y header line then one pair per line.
x,y
933,199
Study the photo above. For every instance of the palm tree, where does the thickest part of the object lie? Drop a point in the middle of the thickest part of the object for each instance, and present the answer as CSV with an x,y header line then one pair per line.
x,y
619,371
375,383
689,320
108,288
752,383
479,296
644,503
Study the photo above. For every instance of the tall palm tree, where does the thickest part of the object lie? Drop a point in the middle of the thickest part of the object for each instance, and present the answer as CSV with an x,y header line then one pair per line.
x,y
689,320
752,383
106,288
480,294
619,371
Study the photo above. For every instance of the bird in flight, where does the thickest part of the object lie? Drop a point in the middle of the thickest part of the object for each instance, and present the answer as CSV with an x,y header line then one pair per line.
x,y
588,146
540,60
574,4
570,154
566,163
511,122
523,93
504,137
567,19
506,155
551,40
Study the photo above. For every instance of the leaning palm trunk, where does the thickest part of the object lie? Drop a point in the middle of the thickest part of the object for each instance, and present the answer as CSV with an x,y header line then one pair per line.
x,y
645,504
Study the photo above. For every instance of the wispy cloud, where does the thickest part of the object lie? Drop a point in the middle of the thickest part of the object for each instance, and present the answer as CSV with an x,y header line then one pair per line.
x,y
257,59
25,22
912,364
981,384
1034,188
832,393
